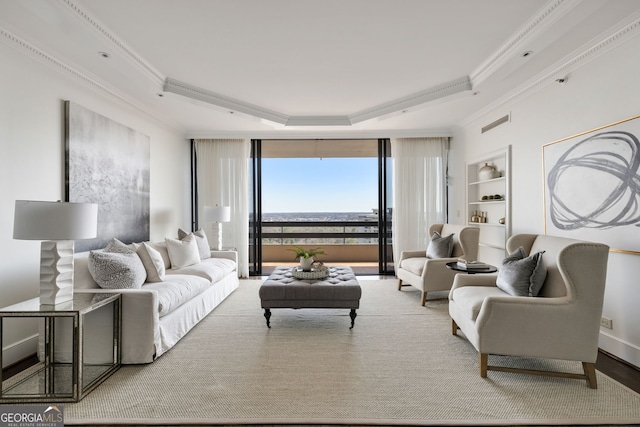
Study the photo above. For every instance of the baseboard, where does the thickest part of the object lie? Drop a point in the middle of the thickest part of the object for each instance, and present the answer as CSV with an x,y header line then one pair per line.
x,y
622,350
17,351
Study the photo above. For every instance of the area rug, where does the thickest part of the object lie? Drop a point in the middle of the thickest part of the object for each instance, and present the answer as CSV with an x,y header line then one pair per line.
x,y
399,365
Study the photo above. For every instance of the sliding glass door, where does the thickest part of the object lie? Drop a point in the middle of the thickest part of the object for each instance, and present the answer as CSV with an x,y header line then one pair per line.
x,y
335,194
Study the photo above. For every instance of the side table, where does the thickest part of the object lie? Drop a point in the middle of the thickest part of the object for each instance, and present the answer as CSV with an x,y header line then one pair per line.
x,y
57,381
454,266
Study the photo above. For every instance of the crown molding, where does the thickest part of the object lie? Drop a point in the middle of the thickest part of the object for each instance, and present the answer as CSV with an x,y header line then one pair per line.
x,y
437,92
324,134
194,92
537,25
127,51
83,77
318,121
598,46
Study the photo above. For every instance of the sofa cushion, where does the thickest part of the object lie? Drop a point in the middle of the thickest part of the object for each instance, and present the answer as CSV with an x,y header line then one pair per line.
x,y
414,265
440,247
175,290
152,261
201,240
470,298
212,269
522,275
183,252
112,270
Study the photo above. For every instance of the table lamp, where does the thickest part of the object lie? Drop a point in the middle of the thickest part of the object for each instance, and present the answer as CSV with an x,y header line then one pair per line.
x,y
57,224
218,214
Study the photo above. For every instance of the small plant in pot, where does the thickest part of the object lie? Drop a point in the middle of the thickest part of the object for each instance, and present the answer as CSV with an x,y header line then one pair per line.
x,y
306,256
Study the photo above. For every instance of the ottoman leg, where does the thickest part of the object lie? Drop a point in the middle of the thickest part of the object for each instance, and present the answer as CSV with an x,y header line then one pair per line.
x,y
267,315
353,315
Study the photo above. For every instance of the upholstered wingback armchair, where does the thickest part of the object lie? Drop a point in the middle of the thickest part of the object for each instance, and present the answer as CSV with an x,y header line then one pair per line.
x,y
429,275
562,322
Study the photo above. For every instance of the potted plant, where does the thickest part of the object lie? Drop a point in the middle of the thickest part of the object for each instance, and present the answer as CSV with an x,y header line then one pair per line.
x,y
306,256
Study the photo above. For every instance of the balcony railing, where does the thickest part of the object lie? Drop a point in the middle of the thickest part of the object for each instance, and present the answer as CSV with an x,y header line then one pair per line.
x,y
319,232
342,241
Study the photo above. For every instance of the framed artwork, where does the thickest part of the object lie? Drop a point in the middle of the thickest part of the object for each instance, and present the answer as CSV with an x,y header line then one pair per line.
x,y
592,186
107,163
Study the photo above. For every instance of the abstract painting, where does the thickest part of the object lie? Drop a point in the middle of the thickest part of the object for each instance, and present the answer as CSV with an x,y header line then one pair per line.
x,y
592,186
107,163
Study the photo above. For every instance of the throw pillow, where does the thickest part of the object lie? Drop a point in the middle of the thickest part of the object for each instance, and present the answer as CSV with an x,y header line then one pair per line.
x,y
522,275
113,270
440,247
201,240
183,253
116,246
152,261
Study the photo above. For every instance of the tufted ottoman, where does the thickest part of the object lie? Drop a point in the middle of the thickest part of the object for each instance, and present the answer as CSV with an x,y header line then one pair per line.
x,y
339,290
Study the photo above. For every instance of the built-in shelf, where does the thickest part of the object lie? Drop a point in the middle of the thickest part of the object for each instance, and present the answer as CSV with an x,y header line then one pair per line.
x,y
493,235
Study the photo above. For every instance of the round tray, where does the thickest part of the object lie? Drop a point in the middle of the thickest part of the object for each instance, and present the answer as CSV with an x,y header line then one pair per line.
x,y
315,273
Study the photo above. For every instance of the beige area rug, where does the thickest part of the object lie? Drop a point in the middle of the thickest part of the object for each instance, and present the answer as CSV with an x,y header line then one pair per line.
x,y
399,365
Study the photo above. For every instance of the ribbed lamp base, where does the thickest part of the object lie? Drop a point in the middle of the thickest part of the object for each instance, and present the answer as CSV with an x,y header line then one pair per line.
x,y
56,272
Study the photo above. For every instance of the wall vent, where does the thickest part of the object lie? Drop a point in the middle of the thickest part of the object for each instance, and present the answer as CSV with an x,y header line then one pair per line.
x,y
492,125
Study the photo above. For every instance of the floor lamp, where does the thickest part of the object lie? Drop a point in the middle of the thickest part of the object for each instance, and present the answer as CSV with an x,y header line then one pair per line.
x,y
57,224
217,214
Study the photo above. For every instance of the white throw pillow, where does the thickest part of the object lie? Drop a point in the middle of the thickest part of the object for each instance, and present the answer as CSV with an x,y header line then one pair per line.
x,y
113,270
201,240
183,253
152,261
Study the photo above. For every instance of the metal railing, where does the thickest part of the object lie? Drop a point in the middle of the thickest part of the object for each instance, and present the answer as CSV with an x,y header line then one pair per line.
x,y
319,232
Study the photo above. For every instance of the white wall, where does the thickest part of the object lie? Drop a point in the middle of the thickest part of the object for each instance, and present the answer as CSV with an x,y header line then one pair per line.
x,y
601,92
32,167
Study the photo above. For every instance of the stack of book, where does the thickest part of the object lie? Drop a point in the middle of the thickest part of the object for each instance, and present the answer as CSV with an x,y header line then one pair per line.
x,y
472,265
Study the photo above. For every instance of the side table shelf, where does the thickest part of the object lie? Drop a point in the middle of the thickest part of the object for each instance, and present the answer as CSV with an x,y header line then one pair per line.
x,y
53,380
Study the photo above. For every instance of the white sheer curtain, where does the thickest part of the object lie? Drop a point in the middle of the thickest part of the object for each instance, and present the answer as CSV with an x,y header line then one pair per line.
x,y
223,179
419,190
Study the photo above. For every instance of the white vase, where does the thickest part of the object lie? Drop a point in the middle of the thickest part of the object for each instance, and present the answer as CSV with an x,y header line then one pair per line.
x,y
305,263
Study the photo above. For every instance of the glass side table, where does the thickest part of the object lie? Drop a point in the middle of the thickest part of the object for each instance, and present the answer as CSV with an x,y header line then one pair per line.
x,y
52,380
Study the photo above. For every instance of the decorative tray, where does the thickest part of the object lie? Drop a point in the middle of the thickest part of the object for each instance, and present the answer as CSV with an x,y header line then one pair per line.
x,y
315,273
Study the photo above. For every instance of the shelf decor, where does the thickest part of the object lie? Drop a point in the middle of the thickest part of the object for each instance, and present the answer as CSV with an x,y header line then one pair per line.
x,y
591,189
488,202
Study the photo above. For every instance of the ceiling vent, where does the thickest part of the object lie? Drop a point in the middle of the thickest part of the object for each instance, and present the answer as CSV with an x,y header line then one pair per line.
x,y
492,125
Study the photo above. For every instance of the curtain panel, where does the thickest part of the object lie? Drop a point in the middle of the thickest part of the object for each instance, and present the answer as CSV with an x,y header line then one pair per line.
x,y
419,190
223,180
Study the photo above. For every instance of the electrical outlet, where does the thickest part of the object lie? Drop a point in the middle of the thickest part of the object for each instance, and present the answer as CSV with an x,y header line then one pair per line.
x,y
605,322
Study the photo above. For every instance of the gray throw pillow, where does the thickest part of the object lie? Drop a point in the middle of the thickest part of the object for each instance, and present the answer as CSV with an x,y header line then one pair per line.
x,y
116,246
113,270
522,275
440,247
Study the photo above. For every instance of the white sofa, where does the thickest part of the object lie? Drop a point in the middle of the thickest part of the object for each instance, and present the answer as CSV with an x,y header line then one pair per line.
x,y
156,316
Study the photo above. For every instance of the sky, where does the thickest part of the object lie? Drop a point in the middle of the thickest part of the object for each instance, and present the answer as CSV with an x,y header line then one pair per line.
x,y
319,185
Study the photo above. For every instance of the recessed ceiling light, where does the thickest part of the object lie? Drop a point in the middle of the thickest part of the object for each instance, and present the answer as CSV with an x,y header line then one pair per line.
x,y
104,54
527,54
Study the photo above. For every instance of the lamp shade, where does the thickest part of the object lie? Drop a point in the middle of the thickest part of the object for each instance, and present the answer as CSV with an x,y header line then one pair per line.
x,y
217,213
35,220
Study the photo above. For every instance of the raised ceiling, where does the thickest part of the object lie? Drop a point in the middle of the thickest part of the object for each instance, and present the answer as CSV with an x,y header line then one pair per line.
x,y
316,67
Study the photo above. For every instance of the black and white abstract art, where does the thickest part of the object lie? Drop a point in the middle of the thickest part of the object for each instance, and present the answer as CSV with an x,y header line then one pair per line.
x,y
592,186
108,163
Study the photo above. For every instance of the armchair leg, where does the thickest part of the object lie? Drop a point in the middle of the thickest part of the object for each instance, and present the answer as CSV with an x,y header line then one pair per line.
x,y
399,284
484,361
590,373
424,298
454,327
